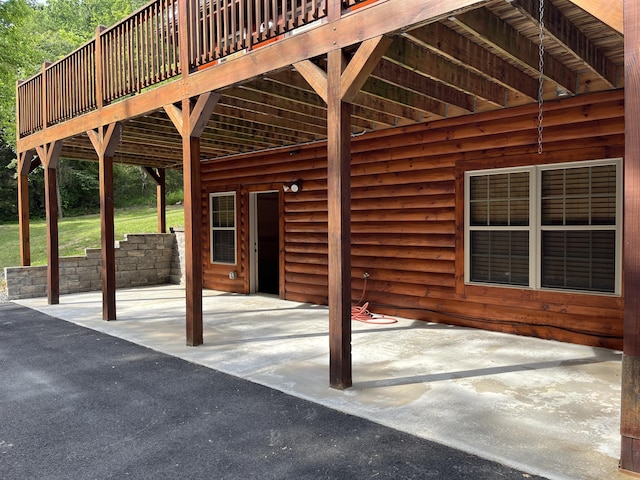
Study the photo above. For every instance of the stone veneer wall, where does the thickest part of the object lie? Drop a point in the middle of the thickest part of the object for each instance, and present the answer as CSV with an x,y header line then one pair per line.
x,y
178,260
141,259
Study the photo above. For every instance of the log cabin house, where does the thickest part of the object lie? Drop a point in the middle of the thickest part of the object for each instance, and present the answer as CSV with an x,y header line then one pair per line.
x,y
462,158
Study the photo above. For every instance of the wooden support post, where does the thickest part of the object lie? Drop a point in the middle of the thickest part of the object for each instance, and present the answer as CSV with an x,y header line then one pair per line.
x,y
337,87
53,261
24,163
105,140
630,407
49,155
190,122
159,176
193,237
339,204
161,200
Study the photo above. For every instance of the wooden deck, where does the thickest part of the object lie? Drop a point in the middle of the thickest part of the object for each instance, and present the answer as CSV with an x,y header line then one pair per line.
x,y
484,59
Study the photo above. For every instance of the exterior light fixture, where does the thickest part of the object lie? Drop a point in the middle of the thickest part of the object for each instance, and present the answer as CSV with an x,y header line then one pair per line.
x,y
295,187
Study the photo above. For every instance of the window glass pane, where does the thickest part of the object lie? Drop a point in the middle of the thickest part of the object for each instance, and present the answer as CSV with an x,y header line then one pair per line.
x,y
519,212
499,200
223,235
603,180
552,211
499,213
479,213
603,195
478,187
223,211
224,246
577,181
552,183
576,211
603,211
579,260
479,196
500,257
587,196
499,186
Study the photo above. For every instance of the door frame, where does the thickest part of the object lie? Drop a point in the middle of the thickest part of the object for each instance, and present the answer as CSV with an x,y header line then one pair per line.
x,y
253,239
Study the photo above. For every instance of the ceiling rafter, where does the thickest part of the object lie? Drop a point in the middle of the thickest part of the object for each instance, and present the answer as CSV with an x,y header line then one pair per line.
x,y
511,43
362,99
406,52
400,76
447,42
565,33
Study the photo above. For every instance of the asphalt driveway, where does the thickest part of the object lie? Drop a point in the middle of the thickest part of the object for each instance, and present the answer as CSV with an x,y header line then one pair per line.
x,y
79,404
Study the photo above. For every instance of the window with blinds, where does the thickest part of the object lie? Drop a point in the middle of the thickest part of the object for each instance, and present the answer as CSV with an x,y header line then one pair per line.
x,y
550,226
223,227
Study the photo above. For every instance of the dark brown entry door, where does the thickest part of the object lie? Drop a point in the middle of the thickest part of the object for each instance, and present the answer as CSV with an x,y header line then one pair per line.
x,y
268,243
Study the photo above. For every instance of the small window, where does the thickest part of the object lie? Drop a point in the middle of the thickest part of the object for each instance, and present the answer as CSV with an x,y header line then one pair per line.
x,y
549,226
223,227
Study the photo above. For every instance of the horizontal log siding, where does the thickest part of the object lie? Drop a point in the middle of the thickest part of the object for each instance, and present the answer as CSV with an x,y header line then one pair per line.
x,y
407,217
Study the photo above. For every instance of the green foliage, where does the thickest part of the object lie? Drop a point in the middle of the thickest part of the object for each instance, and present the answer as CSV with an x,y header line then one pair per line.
x,y
16,59
79,187
31,33
8,186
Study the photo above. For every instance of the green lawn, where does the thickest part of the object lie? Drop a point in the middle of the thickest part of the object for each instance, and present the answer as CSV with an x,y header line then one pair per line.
x,y
77,233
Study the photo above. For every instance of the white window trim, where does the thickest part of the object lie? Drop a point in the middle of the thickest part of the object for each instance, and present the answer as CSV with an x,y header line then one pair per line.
x,y
212,228
535,227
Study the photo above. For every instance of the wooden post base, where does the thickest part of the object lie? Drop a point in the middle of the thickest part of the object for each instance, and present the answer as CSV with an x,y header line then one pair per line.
x,y
630,415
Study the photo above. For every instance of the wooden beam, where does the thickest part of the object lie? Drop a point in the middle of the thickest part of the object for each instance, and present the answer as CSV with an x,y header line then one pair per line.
x,y
361,65
105,140
379,18
447,42
406,52
630,411
49,155
513,44
190,126
202,110
436,95
339,211
315,76
609,12
365,99
24,164
567,34
247,103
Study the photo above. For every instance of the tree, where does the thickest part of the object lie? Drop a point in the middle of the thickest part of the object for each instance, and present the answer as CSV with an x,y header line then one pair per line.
x,y
16,59
31,33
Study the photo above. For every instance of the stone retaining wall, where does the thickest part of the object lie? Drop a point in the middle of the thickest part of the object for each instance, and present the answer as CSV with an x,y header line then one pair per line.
x,y
178,260
141,259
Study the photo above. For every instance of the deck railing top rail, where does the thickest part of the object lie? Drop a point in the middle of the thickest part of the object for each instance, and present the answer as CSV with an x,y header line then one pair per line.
x,y
146,49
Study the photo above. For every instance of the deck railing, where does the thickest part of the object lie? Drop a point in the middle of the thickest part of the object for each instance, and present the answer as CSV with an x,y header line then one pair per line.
x,y
224,27
70,85
30,105
141,51
145,49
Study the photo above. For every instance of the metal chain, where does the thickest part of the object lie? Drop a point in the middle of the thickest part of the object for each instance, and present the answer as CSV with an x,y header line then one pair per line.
x,y
541,77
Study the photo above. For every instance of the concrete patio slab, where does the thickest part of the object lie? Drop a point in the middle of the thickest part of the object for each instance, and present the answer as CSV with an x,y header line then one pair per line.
x,y
549,408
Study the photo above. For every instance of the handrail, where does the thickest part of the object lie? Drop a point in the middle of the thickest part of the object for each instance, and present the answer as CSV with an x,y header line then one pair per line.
x,y
144,50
